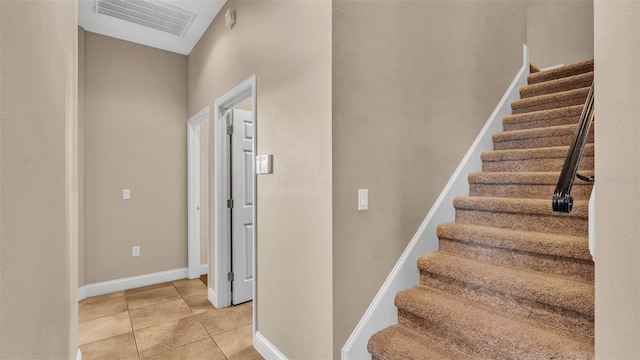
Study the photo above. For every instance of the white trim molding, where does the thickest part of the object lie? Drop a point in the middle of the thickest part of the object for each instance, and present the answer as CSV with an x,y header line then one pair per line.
x,y
204,269
106,287
222,242
193,191
382,312
79,355
266,348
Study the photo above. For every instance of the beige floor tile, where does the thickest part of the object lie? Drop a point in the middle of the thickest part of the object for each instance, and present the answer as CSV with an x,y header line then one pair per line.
x,y
103,327
152,297
101,297
96,309
201,350
168,336
199,303
147,288
190,287
157,314
237,344
218,321
122,347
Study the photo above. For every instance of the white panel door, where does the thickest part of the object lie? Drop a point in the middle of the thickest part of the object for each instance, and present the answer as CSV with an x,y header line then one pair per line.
x,y
242,175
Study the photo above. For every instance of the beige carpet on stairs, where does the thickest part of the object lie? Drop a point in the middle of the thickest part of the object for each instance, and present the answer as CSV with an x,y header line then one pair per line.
x,y
512,279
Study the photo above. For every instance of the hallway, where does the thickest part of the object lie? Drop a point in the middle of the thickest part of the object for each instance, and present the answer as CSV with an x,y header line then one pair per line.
x,y
171,320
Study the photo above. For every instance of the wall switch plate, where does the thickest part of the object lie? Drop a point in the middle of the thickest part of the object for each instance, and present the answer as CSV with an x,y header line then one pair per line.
x,y
135,251
363,199
264,164
126,194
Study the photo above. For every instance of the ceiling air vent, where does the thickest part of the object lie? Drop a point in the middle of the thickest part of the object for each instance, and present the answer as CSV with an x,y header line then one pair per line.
x,y
149,13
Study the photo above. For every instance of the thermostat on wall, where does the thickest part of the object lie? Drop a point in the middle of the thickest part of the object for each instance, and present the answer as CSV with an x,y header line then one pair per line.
x,y
263,164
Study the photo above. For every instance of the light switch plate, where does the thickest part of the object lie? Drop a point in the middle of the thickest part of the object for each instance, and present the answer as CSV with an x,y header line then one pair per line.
x,y
363,199
126,194
264,164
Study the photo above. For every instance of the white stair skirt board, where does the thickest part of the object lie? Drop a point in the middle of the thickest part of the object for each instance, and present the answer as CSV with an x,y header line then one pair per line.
x,y
592,223
266,349
133,282
382,312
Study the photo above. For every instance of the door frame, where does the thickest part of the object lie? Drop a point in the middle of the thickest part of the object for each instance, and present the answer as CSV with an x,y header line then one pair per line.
x,y
193,192
221,295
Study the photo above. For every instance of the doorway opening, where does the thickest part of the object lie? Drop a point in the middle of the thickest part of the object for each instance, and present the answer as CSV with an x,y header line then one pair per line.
x,y
234,257
198,194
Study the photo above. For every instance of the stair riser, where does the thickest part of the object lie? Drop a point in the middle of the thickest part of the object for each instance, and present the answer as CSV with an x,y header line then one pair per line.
x,y
476,343
533,165
544,76
560,223
539,142
518,107
535,124
567,84
574,268
551,315
580,191
450,335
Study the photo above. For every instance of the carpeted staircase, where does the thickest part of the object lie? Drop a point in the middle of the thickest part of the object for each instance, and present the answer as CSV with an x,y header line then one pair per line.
x,y
512,279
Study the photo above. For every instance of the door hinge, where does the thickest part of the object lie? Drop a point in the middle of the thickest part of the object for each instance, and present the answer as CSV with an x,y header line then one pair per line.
x,y
230,276
230,122
230,203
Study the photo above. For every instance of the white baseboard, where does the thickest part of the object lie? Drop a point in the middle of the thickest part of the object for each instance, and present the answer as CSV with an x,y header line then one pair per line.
x,y
266,348
204,269
79,355
382,311
133,282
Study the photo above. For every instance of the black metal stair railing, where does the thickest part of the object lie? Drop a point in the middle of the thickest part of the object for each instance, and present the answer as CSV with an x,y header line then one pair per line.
x,y
562,200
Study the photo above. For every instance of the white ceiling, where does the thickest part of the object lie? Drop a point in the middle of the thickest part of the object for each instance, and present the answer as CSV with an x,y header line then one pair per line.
x,y
205,11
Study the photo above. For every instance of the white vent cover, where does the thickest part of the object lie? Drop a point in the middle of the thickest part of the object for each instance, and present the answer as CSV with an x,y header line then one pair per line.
x,y
149,13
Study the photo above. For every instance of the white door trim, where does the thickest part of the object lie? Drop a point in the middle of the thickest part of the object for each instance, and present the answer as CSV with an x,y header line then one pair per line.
x,y
222,294
193,189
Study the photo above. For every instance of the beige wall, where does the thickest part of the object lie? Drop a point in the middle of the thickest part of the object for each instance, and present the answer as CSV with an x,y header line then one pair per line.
x,y
81,254
559,32
409,98
617,78
38,214
413,84
135,138
287,45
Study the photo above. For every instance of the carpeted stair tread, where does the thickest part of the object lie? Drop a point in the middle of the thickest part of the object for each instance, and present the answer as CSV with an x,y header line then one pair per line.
x,y
526,185
558,85
543,118
484,332
399,342
561,72
576,247
521,214
524,250
551,101
558,291
551,136
541,178
517,205
538,159
523,154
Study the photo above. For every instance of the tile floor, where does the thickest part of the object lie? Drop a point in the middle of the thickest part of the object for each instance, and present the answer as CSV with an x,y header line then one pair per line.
x,y
172,320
